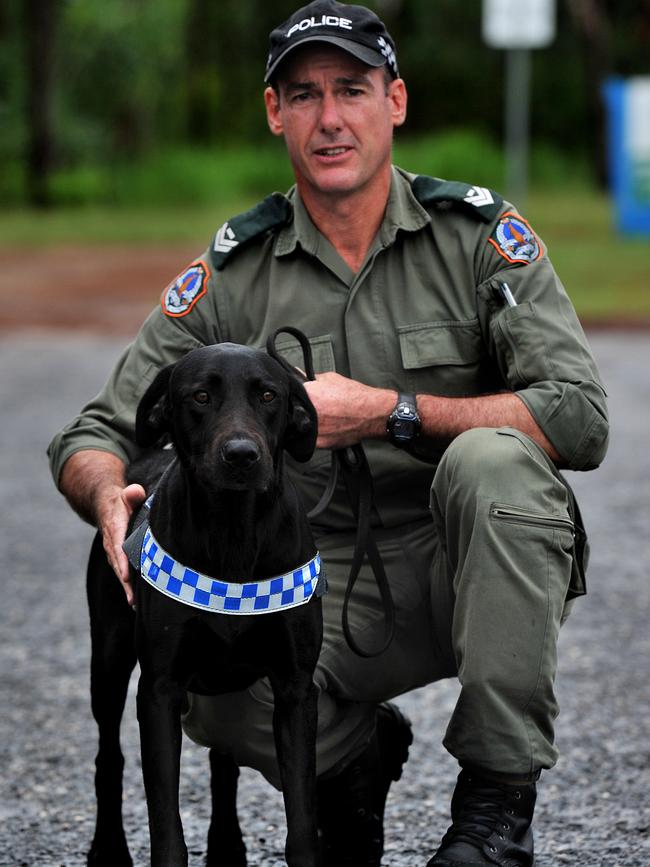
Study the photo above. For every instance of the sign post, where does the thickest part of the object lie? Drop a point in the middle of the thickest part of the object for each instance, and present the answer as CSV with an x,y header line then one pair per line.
x,y
518,26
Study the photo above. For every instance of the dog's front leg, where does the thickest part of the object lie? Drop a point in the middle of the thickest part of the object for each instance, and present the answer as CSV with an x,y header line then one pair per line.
x,y
294,726
159,708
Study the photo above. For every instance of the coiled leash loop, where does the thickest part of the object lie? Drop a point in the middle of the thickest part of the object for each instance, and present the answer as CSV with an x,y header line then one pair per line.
x,y
351,463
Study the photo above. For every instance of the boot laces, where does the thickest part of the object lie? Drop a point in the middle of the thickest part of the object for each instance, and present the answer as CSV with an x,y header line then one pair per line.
x,y
478,811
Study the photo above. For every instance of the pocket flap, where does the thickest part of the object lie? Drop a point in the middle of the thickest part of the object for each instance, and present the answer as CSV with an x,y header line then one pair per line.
x,y
433,343
321,349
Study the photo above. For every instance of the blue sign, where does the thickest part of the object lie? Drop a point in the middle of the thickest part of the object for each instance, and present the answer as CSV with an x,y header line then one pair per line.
x,y
628,110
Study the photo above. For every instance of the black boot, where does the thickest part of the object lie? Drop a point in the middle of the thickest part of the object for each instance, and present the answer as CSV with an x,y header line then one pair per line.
x,y
491,824
351,804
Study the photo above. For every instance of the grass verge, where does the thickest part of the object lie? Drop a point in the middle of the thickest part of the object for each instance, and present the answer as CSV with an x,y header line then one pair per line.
x,y
606,275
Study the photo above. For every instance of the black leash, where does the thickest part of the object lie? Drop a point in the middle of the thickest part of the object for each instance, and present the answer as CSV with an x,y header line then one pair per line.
x,y
352,465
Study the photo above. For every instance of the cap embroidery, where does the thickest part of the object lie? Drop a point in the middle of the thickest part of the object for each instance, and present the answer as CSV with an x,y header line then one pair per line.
x,y
388,53
325,21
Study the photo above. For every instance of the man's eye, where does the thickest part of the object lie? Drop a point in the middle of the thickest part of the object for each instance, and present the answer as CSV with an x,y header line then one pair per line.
x,y
268,396
201,397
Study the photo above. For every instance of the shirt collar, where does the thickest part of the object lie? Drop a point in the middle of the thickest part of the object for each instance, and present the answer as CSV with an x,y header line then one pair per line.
x,y
403,212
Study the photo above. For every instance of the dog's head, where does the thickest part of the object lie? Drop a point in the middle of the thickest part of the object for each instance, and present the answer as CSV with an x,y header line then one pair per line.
x,y
230,411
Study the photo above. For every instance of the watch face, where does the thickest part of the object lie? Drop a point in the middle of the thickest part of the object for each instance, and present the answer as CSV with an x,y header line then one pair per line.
x,y
404,428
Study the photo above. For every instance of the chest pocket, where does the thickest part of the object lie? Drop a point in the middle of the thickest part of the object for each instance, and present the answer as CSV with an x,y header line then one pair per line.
x,y
321,349
442,357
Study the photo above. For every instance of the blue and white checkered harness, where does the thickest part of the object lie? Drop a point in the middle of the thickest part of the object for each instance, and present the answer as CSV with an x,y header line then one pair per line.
x,y
159,569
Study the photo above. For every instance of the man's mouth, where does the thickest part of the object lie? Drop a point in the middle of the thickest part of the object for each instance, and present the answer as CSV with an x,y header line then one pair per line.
x,y
332,151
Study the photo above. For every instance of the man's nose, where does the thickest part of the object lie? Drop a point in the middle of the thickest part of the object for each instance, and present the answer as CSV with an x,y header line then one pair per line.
x,y
330,116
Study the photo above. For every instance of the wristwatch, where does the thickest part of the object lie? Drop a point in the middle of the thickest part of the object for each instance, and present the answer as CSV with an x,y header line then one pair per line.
x,y
403,424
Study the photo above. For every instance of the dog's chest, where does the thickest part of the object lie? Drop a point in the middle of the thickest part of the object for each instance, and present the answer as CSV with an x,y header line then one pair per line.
x,y
227,653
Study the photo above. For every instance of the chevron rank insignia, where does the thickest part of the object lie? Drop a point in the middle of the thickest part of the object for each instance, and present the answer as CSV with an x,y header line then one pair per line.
x,y
515,240
270,214
479,197
481,202
183,292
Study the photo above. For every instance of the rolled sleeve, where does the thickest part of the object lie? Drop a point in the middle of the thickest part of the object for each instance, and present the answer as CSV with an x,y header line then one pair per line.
x,y
107,422
543,356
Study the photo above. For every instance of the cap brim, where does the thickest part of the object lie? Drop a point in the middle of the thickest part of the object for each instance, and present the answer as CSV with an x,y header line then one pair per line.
x,y
362,52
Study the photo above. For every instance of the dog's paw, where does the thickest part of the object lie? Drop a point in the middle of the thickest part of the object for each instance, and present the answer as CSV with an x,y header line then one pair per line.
x,y
113,854
236,857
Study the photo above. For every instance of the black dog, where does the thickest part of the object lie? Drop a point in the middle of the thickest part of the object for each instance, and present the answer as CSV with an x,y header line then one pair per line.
x,y
222,508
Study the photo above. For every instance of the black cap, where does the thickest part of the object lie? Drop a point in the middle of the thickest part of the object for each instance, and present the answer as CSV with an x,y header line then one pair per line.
x,y
355,29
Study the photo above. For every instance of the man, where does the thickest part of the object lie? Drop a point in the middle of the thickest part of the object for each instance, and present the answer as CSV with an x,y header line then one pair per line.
x,y
441,295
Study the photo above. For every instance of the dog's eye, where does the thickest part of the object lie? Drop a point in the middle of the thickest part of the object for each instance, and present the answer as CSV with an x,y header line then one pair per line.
x,y
268,396
201,397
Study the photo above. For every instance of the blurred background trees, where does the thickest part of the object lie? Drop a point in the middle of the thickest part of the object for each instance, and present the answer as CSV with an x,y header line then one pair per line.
x,y
91,87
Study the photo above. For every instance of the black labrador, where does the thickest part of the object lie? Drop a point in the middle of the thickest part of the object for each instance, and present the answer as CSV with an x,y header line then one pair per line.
x,y
228,591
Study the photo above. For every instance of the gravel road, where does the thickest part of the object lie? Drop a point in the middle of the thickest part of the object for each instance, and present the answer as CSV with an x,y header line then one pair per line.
x,y
593,808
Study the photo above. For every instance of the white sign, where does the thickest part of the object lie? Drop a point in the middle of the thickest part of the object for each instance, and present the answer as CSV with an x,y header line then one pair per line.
x,y
518,23
637,117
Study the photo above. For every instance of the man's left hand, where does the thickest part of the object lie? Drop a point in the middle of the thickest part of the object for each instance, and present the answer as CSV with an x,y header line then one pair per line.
x,y
349,411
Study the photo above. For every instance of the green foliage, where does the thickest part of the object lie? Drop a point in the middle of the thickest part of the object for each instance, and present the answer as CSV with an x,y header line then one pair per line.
x,y
202,176
184,176
138,78
117,76
460,154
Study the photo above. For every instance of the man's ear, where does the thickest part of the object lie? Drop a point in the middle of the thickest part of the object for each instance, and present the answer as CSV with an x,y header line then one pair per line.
x,y
302,427
273,116
399,99
153,417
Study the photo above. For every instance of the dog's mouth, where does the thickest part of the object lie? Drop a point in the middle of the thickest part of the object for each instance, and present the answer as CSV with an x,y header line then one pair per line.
x,y
257,484
255,477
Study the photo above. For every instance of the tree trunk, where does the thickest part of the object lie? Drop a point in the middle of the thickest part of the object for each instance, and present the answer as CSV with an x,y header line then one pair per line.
x,y
39,32
593,26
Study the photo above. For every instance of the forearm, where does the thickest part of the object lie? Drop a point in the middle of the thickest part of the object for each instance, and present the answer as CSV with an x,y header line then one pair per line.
x,y
444,418
93,483
349,411
88,478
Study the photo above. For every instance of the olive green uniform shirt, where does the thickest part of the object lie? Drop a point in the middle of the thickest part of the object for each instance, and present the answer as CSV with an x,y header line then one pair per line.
x,y
423,314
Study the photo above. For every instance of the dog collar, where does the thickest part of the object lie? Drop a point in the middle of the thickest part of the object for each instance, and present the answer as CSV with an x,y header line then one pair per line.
x,y
170,577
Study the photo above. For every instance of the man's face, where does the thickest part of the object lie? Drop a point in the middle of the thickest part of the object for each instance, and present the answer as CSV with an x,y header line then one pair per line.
x,y
337,116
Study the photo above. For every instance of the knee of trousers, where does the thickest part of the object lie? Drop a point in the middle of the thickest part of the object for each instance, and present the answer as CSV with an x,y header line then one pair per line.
x,y
499,465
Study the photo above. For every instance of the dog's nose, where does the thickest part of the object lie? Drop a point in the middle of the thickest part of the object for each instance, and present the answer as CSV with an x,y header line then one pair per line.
x,y
241,453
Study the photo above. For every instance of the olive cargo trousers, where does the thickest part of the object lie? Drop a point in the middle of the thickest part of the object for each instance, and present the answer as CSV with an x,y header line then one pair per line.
x,y
479,594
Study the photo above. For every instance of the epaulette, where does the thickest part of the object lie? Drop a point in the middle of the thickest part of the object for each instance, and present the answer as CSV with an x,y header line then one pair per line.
x,y
275,210
479,201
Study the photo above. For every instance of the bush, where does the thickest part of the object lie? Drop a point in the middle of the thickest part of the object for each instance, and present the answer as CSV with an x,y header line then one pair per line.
x,y
457,155
205,176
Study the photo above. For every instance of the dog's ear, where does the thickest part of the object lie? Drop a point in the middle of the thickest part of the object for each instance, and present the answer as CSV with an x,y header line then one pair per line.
x,y
302,426
153,417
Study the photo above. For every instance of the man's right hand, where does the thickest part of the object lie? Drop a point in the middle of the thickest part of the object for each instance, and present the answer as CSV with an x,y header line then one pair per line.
x,y
93,483
113,514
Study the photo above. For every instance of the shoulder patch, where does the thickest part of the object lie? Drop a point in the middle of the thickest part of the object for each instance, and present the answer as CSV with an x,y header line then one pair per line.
x,y
479,201
514,239
183,292
275,210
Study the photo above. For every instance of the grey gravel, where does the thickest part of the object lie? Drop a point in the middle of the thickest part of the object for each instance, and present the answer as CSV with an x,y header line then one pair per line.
x,y
593,807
